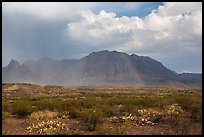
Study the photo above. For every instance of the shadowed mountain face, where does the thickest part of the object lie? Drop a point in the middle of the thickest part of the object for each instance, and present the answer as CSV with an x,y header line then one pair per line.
x,y
98,68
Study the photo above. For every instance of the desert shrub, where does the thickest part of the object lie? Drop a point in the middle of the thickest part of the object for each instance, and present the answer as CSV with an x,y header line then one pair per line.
x,y
43,115
88,103
46,104
184,100
192,104
127,108
91,118
5,106
109,111
145,102
117,101
109,129
73,112
66,105
60,107
22,109
160,102
63,115
196,112
155,118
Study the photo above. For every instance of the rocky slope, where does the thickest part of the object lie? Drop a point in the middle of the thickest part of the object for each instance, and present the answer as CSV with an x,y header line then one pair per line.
x,y
98,68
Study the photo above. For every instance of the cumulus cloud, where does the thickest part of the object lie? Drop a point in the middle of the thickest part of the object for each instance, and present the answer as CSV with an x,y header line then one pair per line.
x,y
184,23
175,8
102,28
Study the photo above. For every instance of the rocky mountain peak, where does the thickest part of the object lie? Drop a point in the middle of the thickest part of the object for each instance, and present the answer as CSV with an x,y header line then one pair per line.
x,y
14,64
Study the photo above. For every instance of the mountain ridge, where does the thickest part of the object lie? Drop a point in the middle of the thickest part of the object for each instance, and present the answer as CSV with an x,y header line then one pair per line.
x,y
98,68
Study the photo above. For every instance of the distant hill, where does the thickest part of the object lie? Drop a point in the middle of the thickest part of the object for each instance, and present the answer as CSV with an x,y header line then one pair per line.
x,y
98,68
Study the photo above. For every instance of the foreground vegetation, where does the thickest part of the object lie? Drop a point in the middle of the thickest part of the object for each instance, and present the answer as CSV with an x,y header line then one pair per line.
x,y
105,110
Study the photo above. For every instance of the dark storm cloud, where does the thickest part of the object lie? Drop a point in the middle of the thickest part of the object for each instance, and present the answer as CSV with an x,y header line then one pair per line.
x,y
29,37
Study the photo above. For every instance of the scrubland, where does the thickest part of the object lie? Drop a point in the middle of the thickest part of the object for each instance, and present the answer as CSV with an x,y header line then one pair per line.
x,y
102,111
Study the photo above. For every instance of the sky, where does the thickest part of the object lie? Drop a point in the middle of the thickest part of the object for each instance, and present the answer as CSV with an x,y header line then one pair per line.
x,y
169,32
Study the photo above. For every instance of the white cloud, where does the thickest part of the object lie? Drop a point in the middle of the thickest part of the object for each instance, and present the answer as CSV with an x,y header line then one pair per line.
x,y
104,28
176,8
171,26
188,71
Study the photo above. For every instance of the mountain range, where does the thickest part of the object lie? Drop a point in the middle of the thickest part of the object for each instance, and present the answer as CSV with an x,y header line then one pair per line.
x,y
104,68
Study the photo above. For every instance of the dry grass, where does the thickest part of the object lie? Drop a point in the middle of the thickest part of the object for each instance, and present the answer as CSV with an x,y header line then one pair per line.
x,y
43,115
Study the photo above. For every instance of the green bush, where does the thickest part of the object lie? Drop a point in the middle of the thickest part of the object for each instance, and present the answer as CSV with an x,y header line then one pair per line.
x,y
127,108
196,111
155,118
22,109
88,102
185,101
45,104
146,102
73,113
109,111
91,118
